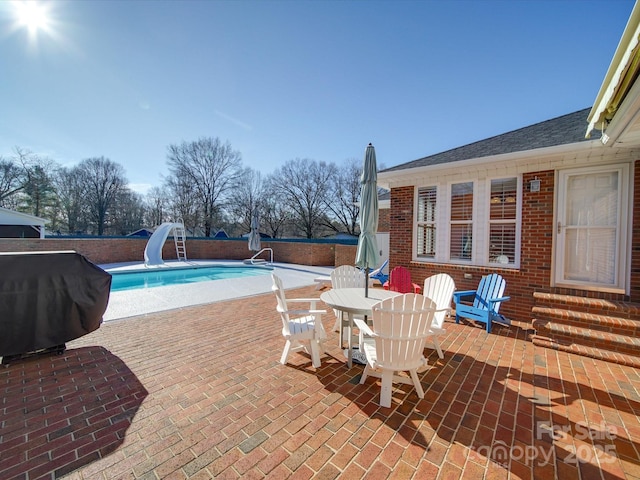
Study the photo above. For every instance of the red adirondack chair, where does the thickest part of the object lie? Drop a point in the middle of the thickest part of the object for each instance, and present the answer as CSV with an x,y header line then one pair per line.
x,y
400,281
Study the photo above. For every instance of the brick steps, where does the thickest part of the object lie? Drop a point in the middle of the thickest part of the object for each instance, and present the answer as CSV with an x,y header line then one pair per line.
x,y
586,326
593,321
607,355
586,304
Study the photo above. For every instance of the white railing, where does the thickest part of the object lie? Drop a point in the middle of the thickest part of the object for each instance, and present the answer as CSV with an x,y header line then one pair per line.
x,y
254,260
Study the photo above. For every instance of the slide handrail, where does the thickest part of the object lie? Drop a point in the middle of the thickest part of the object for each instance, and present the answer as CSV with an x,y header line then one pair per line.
x,y
253,260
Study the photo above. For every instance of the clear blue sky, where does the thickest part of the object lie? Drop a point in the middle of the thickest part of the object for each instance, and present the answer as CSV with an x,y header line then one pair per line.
x,y
287,79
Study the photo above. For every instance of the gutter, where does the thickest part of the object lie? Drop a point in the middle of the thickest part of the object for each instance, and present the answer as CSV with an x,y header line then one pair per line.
x,y
621,72
626,115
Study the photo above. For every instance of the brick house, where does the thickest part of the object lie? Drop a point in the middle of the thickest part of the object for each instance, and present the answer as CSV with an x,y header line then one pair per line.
x,y
553,207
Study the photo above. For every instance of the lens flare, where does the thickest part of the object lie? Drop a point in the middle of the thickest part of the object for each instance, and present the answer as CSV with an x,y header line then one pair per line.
x,y
32,15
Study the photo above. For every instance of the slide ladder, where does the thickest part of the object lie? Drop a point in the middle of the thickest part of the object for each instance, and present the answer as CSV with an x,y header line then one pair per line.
x,y
179,238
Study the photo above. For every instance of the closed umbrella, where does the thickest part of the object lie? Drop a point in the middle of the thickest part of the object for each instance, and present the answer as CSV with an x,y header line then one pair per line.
x,y
254,235
367,253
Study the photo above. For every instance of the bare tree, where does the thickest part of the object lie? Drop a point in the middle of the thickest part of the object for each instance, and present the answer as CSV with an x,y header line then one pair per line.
x,y
38,192
104,180
305,187
70,191
246,198
345,193
157,200
211,169
127,213
11,180
276,218
183,205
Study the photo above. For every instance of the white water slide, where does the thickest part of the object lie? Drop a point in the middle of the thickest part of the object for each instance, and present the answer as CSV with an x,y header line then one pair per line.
x,y
153,250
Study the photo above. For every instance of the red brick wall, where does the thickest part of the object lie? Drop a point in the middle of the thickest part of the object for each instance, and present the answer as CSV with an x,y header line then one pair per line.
x,y
114,250
383,220
98,250
401,224
536,249
635,241
345,255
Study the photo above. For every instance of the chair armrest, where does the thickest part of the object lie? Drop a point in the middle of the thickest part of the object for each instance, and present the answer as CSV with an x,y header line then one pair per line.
x,y
305,312
362,325
416,288
291,300
501,299
311,301
464,293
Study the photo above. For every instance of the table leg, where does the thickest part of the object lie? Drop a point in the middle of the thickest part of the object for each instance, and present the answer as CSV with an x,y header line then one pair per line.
x,y
350,341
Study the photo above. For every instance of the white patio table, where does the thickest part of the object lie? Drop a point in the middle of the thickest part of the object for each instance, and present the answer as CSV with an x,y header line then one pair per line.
x,y
353,302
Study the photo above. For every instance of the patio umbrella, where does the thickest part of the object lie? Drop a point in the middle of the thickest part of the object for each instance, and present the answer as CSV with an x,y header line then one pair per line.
x,y
254,235
367,253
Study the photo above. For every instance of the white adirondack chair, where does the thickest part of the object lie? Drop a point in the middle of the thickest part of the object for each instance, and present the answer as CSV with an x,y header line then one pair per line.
x,y
300,325
345,276
439,288
396,341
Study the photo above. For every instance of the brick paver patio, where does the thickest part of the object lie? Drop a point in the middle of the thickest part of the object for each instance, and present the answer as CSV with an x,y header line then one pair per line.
x,y
200,393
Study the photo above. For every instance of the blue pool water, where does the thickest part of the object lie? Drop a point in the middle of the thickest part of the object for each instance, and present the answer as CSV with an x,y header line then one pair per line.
x,y
178,276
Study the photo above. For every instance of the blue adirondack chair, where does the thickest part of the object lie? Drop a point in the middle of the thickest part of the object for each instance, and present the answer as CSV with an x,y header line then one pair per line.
x,y
486,301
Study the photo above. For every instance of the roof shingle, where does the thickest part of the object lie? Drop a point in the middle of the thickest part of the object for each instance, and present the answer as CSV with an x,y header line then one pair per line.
x,y
562,130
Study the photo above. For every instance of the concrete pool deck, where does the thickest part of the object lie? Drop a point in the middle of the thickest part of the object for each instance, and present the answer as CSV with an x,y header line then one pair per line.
x,y
145,301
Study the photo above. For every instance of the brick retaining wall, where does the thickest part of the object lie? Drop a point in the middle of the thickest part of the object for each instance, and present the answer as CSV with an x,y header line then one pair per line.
x,y
129,249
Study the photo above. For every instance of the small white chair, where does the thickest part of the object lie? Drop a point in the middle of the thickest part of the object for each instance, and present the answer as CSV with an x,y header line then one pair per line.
x,y
345,276
299,325
396,341
439,288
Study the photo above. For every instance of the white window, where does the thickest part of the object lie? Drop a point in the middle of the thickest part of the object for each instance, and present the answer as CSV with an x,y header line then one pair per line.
x,y
503,214
469,222
426,241
461,226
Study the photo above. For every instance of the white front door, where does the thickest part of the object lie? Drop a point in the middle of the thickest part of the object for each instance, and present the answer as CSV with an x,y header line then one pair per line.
x,y
591,227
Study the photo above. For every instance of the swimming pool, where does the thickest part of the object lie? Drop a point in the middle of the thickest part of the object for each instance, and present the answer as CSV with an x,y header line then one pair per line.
x,y
122,281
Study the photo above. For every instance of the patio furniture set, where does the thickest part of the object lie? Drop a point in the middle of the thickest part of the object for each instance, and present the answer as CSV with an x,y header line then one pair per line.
x,y
394,323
